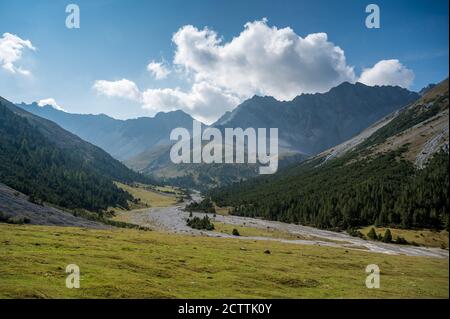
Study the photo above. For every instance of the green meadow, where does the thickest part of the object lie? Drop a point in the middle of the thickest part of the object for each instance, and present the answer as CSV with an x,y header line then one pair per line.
x,y
126,263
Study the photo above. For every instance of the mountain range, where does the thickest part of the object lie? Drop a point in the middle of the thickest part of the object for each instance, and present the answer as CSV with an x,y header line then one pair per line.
x,y
311,123
307,125
394,173
123,139
391,134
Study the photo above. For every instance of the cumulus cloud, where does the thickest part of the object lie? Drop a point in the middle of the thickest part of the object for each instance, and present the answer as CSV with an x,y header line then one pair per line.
x,y
262,60
158,69
52,102
198,101
11,49
204,101
388,72
122,88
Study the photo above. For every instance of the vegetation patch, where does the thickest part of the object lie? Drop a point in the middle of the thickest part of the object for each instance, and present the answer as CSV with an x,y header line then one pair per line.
x,y
127,263
385,191
145,196
418,237
298,283
200,223
247,231
205,206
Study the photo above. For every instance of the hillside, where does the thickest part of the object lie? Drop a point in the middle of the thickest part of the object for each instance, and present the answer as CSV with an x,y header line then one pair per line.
x,y
311,123
372,179
42,160
422,125
16,208
123,139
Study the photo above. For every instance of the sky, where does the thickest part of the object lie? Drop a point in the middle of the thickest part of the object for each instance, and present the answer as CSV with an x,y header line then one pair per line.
x,y
137,58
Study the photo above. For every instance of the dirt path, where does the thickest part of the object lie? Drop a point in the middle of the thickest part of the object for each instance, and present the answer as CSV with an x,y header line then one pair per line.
x,y
173,219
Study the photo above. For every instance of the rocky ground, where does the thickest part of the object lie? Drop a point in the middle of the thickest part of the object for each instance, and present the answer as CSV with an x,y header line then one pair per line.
x,y
16,206
173,219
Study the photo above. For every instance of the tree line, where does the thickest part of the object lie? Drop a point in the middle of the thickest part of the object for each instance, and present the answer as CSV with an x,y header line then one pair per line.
x,y
32,164
347,193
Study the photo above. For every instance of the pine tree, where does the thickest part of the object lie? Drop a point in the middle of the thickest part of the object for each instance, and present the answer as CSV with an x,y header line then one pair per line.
x,y
372,234
387,238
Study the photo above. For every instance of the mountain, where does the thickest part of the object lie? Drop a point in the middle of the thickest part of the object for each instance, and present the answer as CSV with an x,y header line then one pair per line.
x,y
123,139
307,125
156,162
44,161
394,173
427,88
422,126
311,123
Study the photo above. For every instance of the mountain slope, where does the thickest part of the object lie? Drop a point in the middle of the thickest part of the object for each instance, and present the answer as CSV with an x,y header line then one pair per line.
x,y
422,125
374,178
42,160
123,139
15,207
311,123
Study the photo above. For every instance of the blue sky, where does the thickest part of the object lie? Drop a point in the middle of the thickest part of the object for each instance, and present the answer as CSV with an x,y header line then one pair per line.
x,y
118,39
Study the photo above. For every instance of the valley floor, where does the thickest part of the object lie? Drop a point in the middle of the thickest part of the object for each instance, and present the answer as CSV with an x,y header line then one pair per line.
x,y
173,219
126,263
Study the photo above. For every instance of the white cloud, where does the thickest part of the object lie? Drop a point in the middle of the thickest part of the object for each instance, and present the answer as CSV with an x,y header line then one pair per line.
x,y
122,88
50,101
262,60
388,72
158,69
204,101
11,48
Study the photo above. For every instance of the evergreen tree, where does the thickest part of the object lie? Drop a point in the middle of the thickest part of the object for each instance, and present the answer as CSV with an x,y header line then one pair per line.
x,y
372,234
387,238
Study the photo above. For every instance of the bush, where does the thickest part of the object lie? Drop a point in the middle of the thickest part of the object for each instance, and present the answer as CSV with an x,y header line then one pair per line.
x,y
355,233
372,234
387,238
401,241
13,220
200,223
235,232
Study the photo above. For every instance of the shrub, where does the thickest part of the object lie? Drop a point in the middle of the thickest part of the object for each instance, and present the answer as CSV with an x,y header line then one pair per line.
x,y
372,234
401,241
235,232
13,220
355,233
387,238
200,223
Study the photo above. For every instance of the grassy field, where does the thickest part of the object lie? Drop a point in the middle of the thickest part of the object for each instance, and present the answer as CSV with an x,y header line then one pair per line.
x,y
256,232
169,190
222,210
148,197
126,263
426,238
